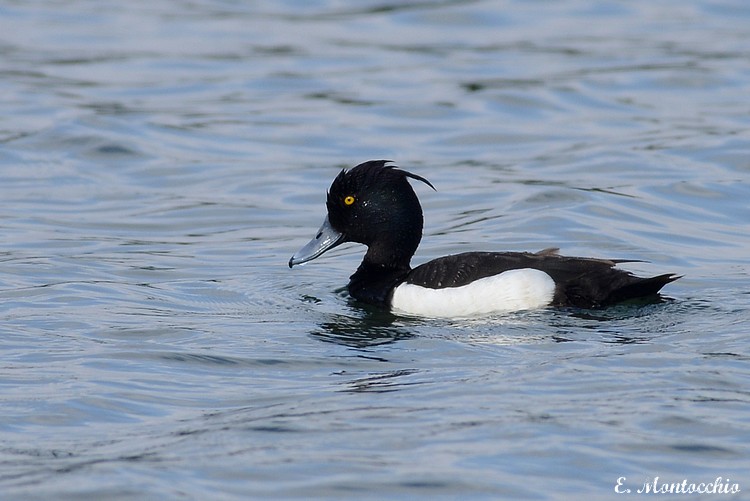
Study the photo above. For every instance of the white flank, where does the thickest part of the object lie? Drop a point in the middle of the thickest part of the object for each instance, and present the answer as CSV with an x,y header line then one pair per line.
x,y
512,290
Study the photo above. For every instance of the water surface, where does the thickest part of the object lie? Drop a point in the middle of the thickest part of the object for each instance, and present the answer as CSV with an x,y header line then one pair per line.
x,y
161,161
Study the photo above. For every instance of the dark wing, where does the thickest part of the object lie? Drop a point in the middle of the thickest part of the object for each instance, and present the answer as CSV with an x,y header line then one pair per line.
x,y
462,269
580,282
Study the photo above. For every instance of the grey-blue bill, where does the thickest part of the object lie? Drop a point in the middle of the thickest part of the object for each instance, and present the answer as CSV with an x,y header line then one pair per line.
x,y
325,239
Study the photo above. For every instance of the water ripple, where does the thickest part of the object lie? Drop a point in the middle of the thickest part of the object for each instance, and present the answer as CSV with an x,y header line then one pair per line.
x,y
160,165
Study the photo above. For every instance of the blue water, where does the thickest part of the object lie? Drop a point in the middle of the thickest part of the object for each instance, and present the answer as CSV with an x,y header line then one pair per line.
x,y
161,161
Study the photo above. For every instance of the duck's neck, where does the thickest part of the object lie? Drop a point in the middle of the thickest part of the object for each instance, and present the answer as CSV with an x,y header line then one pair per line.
x,y
382,268
391,253
373,283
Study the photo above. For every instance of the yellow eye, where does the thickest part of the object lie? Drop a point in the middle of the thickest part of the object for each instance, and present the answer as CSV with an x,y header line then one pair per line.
x,y
348,200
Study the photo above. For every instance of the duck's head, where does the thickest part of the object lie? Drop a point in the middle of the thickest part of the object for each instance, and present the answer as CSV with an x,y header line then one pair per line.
x,y
372,204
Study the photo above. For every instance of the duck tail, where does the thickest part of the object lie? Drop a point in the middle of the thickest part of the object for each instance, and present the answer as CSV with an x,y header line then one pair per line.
x,y
641,288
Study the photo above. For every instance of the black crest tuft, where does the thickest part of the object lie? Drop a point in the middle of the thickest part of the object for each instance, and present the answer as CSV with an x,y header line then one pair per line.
x,y
367,177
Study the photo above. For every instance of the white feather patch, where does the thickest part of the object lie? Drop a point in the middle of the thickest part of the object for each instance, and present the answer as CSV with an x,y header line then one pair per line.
x,y
512,290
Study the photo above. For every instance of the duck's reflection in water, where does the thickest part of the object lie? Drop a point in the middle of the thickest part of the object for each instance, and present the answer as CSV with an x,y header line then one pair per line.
x,y
372,327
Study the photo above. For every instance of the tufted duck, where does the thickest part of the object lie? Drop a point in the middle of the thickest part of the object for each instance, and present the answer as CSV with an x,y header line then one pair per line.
x,y
374,204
